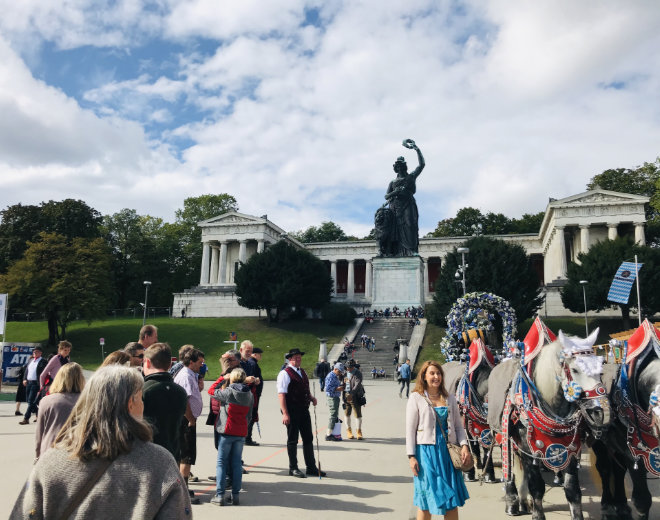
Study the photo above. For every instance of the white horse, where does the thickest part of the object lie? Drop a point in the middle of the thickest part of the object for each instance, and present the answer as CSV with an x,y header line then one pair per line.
x,y
547,408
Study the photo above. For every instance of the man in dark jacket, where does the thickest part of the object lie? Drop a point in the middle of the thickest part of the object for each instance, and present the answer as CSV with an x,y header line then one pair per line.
x,y
250,366
164,401
33,371
321,371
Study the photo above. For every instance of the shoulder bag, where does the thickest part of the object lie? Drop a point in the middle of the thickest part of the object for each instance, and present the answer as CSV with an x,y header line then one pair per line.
x,y
454,449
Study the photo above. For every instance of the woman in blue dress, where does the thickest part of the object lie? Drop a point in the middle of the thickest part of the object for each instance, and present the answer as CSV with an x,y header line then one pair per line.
x,y
439,487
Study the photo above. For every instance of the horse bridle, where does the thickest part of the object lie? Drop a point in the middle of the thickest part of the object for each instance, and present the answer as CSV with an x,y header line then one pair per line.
x,y
584,398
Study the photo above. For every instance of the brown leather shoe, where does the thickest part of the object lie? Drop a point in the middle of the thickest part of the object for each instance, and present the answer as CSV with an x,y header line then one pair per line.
x,y
24,422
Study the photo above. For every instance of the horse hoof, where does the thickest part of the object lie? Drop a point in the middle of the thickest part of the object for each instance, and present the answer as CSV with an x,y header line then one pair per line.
x,y
489,479
512,510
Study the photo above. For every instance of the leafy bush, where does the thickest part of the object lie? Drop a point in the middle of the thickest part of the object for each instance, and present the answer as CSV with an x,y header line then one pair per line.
x,y
339,314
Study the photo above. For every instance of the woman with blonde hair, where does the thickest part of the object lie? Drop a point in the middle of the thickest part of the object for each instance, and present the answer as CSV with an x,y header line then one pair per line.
x,y
236,403
102,463
439,487
56,407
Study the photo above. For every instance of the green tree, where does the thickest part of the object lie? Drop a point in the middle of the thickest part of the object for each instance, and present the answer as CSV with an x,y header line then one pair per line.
x,y
64,278
468,222
598,267
326,232
21,224
494,266
496,224
528,223
283,277
643,180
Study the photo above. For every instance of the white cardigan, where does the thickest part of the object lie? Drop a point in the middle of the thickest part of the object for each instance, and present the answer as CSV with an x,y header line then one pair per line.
x,y
421,423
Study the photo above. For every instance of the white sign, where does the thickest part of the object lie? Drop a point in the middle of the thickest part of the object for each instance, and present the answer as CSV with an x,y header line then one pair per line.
x,y
3,312
102,341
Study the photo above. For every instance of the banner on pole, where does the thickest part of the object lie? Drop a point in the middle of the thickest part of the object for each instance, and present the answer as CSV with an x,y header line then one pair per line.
x,y
3,312
623,282
15,356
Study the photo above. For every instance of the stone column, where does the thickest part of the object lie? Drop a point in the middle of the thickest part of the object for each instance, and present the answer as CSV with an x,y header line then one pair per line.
x,y
367,280
333,275
214,265
323,349
260,246
612,231
561,261
204,277
223,264
350,284
242,251
584,238
640,237
425,292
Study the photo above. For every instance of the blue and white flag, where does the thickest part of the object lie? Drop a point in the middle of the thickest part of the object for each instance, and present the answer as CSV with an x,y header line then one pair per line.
x,y
623,282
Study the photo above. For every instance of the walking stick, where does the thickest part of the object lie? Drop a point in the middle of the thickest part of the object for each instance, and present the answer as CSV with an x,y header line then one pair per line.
x,y
316,432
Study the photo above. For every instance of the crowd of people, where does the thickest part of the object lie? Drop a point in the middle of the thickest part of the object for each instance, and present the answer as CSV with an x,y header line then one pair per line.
x,y
135,420
415,313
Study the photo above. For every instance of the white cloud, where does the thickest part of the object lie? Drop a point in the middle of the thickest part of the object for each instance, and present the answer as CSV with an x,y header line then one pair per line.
x,y
510,103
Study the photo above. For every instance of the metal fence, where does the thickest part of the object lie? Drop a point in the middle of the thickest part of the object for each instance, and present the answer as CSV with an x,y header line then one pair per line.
x,y
153,312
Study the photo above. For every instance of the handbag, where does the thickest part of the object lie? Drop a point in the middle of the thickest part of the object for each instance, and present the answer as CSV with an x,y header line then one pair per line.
x,y
454,449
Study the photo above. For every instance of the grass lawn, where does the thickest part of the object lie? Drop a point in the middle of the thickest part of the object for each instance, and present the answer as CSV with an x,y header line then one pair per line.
x,y
207,334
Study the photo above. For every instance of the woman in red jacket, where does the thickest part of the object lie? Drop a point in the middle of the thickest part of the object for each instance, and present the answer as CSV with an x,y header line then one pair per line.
x,y
236,403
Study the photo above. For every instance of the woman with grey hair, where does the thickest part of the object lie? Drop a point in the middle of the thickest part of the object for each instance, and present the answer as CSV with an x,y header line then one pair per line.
x,y
56,407
102,463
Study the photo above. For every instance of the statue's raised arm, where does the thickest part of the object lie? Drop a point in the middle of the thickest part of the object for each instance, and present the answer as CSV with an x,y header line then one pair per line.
x,y
409,143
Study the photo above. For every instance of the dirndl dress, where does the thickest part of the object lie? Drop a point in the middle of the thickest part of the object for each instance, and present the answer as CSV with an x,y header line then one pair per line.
x,y
439,487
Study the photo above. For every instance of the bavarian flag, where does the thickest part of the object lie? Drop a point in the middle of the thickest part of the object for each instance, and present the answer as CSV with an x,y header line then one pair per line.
x,y
623,281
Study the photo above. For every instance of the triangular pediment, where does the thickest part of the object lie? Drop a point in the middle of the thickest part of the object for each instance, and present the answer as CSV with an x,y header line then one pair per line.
x,y
600,196
233,218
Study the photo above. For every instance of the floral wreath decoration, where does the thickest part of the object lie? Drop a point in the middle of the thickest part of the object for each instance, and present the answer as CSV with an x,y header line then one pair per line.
x,y
477,310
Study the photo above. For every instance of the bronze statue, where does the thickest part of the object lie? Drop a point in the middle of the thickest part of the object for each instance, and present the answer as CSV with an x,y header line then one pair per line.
x,y
397,229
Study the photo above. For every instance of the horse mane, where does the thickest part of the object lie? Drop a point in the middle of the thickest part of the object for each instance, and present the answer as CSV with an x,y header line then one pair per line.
x,y
546,370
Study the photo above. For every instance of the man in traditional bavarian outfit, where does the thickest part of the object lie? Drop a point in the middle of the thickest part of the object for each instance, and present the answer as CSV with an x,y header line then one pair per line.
x,y
294,397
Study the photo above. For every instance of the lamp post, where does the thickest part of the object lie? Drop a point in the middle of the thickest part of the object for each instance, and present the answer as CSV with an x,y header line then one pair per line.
x,y
146,296
583,283
463,251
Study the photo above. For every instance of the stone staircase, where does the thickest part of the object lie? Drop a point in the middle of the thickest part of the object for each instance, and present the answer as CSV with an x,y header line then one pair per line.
x,y
385,331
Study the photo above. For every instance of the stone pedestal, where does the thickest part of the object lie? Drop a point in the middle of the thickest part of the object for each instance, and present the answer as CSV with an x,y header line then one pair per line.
x,y
398,281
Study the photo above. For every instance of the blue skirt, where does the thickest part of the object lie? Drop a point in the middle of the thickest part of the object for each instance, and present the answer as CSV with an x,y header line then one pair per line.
x,y
439,487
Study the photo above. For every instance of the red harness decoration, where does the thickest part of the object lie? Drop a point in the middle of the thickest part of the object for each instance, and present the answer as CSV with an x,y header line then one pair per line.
x,y
642,442
474,415
555,442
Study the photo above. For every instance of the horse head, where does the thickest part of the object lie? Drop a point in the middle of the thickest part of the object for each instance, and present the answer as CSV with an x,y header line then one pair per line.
x,y
580,378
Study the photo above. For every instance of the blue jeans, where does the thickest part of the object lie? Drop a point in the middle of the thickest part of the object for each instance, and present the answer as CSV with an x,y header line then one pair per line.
x,y
230,450
31,395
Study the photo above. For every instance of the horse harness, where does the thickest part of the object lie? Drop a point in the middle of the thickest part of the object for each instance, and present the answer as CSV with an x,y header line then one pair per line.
x,y
551,439
641,430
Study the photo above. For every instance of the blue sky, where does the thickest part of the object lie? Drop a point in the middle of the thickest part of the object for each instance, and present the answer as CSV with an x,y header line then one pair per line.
x,y
298,108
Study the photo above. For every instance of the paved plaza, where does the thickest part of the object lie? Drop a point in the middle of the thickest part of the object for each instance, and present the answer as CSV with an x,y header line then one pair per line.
x,y
365,478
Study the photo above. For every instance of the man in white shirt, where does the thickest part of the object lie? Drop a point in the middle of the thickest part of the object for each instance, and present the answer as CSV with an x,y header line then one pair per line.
x,y
31,382
294,397
188,379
